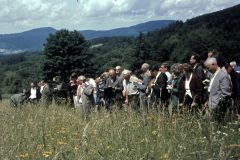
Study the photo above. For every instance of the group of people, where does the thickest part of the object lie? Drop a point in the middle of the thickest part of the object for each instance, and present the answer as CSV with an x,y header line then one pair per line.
x,y
192,86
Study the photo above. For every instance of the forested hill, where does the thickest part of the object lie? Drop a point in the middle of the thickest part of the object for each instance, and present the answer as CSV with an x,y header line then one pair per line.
x,y
31,40
219,30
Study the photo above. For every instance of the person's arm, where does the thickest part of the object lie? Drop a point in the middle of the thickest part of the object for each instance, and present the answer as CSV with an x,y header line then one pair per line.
x,y
143,86
125,94
88,89
198,91
225,87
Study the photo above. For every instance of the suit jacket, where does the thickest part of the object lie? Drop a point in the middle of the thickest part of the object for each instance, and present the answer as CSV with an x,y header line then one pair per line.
x,y
221,89
87,95
116,82
196,89
160,84
142,87
199,71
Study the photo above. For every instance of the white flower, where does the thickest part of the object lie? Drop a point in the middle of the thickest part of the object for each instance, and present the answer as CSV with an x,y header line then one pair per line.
x,y
225,134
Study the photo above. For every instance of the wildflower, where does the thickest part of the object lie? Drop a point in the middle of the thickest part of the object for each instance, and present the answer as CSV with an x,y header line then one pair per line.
x,y
154,132
62,130
149,118
39,146
47,153
24,155
225,134
61,142
76,148
165,156
94,131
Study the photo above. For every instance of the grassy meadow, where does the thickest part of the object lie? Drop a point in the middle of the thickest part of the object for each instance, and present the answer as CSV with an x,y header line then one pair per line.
x,y
59,132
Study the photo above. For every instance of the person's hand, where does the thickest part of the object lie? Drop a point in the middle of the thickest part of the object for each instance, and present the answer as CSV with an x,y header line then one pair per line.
x,y
126,101
206,104
206,81
138,82
170,86
193,104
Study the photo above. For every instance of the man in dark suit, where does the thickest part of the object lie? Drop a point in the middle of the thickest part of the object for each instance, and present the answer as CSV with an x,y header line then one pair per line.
x,y
220,90
197,67
159,86
60,91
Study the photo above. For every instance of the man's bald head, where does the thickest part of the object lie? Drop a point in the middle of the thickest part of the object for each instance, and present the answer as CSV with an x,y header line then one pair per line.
x,y
145,67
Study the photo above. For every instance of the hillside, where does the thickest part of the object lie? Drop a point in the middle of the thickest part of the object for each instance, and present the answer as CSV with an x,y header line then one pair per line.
x,y
25,41
127,31
33,40
219,30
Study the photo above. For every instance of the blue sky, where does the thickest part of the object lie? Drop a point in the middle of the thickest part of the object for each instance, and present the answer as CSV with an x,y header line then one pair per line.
x,y
22,15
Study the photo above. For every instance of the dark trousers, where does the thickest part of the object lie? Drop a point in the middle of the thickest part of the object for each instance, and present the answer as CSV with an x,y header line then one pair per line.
x,y
219,114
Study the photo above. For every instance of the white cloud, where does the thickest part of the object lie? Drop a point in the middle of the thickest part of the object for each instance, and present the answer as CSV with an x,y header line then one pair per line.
x,y
22,15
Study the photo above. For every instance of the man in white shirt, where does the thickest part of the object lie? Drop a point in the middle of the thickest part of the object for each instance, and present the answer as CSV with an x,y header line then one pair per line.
x,y
34,93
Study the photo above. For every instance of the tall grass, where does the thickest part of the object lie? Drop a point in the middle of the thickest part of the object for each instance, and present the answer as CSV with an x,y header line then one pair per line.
x,y
59,132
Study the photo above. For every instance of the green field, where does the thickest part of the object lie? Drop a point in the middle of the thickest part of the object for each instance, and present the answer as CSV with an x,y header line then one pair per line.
x,y
58,132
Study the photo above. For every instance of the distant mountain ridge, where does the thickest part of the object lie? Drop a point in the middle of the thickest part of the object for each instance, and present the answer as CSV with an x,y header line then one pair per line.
x,y
127,31
34,39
